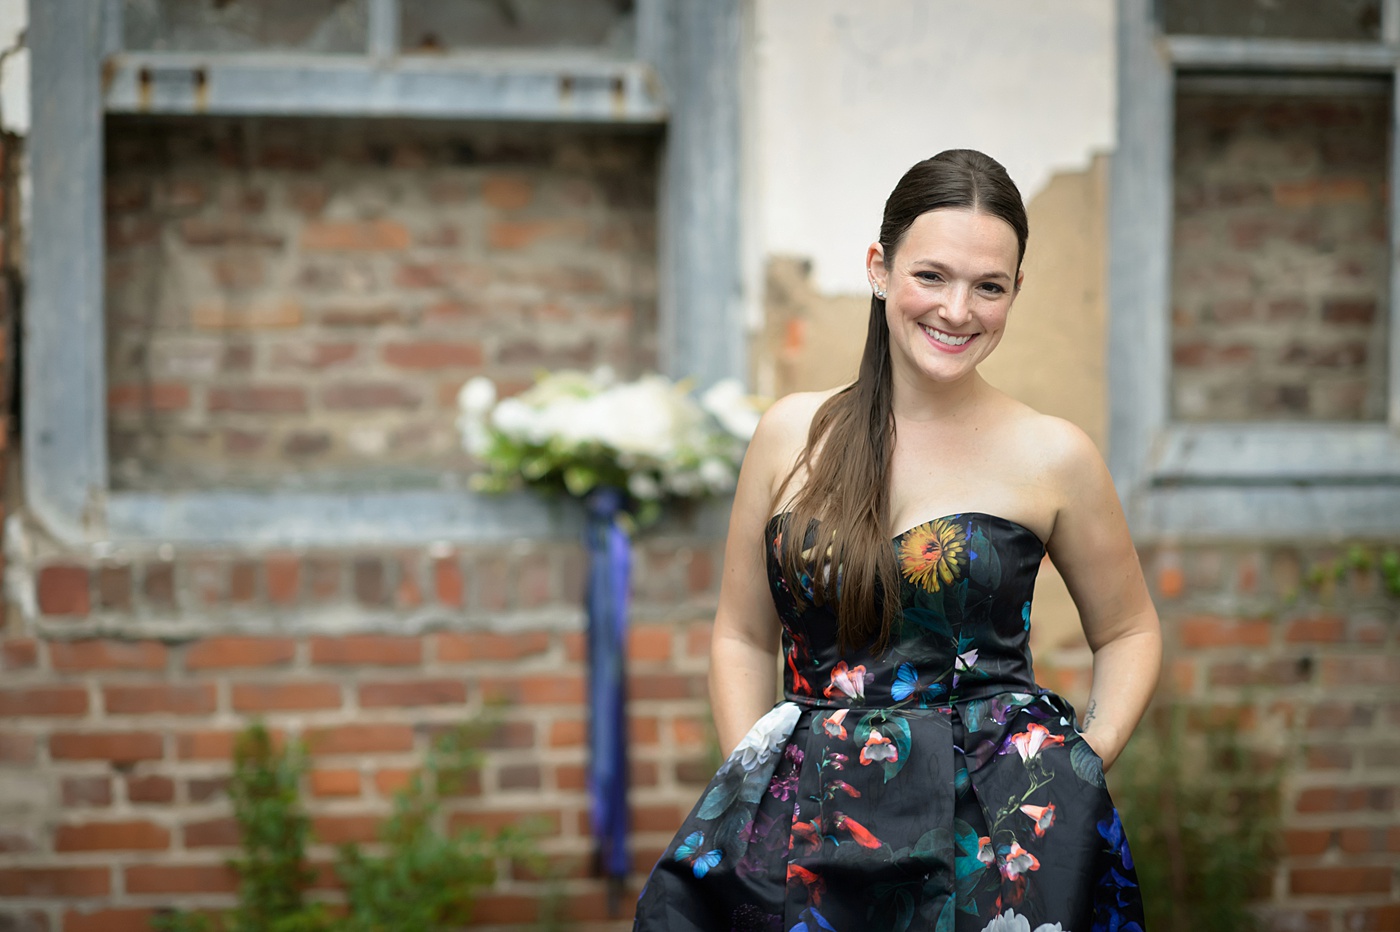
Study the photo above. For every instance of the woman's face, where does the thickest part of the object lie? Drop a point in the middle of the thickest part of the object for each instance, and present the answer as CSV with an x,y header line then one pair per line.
x,y
949,287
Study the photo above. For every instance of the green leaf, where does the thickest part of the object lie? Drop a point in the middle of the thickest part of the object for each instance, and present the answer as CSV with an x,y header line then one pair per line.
x,y
899,733
1086,763
580,480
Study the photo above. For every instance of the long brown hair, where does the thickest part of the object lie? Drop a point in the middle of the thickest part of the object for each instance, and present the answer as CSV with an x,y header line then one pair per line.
x,y
838,525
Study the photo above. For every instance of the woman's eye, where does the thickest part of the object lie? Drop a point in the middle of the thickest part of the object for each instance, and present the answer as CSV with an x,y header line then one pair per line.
x,y
993,289
930,277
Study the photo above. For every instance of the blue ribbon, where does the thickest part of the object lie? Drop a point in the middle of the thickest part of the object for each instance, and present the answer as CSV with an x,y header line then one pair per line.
x,y
609,574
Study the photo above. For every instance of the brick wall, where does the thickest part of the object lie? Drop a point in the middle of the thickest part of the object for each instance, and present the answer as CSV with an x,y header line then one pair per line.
x,y
304,297
1280,275
120,700
1314,663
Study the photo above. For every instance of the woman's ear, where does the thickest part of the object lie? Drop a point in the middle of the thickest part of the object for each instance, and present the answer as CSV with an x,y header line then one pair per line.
x,y
875,267
1020,279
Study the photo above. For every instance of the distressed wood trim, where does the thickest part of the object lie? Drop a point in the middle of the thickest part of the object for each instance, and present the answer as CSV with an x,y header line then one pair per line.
x,y
1393,350
561,88
299,518
1279,454
384,19
701,316
1140,219
1321,514
65,447
1201,52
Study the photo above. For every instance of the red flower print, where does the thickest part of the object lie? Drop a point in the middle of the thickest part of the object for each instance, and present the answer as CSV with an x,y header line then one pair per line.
x,y
849,682
832,724
878,748
1018,862
1033,740
1044,817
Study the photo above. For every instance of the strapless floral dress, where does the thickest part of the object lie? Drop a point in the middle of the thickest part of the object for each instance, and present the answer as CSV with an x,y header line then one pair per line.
x,y
931,787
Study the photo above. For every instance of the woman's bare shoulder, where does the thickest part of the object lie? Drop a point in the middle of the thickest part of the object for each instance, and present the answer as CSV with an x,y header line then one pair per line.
x,y
782,434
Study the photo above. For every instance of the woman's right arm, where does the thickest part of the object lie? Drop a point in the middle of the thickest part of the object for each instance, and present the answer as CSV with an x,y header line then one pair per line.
x,y
745,639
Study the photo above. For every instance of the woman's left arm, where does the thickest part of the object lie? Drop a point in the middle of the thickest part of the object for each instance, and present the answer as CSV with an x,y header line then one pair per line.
x,y
1094,553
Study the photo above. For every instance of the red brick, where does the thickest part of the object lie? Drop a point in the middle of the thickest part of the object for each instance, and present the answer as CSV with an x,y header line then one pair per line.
x,y
193,699
412,693
360,739
266,697
259,399
148,396
535,583
63,590
130,835
1367,840
549,821
205,745
335,782
521,234
180,878
511,733
1208,631
158,585
643,730
43,700
506,192
242,582
51,882
1323,629
1373,669
559,689
697,641
409,592
211,833
223,652
203,789
666,686
343,829
312,356
17,748
150,788
86,791
433,355
448,583
390,781
19,654
690,732
370,396
567,733
700,572
368,580
1346,799
283,574
1337,715
494,908
114,589
1372,918
354,236
1339,881
652,642
486,645
324,578
1314,191
108,920
570,777
371,650
119,747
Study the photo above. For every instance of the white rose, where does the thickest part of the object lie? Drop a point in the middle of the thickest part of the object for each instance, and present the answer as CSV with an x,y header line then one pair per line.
x,y
477,396
730,406
643,486
717,475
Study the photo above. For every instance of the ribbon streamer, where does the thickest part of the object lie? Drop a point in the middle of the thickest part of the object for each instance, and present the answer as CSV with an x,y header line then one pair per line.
x,y
609,576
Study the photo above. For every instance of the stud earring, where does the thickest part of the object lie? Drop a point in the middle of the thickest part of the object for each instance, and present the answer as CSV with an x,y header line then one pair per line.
x,y
879,294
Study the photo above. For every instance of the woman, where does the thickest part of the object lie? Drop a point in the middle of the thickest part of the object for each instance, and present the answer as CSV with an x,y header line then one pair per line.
x,y
914,776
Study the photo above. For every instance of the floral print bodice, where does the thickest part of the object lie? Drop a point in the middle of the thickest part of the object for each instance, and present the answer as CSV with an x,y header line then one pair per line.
x,y
966,582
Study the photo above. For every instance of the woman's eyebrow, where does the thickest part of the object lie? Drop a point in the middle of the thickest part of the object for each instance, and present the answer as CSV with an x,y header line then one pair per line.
x,y
940,267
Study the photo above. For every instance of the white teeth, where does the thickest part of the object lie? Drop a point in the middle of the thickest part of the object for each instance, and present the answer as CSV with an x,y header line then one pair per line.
x,y
945,338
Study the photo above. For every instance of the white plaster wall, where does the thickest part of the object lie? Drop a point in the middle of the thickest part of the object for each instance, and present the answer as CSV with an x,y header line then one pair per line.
x,y
14,67
847,95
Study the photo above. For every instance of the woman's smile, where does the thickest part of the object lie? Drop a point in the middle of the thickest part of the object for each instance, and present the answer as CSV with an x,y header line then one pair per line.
x,y
945,341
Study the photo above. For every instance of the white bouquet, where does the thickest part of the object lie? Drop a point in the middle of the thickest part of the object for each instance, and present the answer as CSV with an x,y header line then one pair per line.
x,y
579,431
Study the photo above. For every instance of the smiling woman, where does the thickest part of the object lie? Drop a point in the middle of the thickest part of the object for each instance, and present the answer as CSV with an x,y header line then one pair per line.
x,y
914,775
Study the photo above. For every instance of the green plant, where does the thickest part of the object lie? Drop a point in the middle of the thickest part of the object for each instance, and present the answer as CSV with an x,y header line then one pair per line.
x,y
421,878
1202,811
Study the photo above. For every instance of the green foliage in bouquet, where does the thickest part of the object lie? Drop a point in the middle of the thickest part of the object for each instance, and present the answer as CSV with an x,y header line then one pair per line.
x,y
1201,808
421,879
574,432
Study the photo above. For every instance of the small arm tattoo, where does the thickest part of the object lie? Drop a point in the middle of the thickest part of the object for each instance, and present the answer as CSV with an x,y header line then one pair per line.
x,y
1089,714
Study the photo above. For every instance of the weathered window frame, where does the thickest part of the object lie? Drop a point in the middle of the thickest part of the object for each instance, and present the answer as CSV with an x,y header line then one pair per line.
x,y
683,78
1227,480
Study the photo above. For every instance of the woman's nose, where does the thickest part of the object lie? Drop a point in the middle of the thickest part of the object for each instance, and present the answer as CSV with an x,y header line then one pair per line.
x,y
957,309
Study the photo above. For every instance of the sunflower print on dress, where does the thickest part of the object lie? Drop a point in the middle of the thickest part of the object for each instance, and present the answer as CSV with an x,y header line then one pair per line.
x,y
930,554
